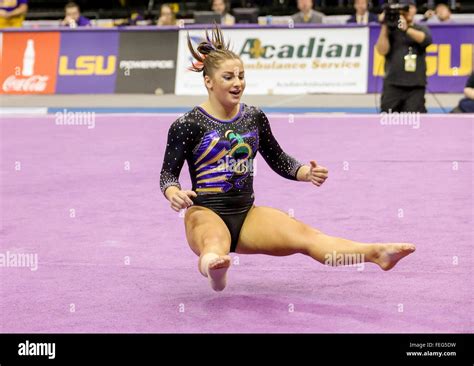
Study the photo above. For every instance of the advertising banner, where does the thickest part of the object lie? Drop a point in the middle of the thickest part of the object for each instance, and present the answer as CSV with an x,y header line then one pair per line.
x,y
87,62
147,62
276,60
288,61
29,62
1,49
449,59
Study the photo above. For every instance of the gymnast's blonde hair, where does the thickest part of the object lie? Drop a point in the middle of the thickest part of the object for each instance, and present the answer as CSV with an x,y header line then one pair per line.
x,y
211,52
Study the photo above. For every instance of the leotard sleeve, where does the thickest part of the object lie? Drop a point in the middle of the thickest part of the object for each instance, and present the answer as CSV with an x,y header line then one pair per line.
x,y
282,163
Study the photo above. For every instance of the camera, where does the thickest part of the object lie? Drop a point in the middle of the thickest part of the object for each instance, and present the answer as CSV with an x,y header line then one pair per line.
x,y
392,12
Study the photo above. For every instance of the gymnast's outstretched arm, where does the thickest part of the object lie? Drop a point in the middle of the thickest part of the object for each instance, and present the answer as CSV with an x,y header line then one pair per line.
x,y
284,164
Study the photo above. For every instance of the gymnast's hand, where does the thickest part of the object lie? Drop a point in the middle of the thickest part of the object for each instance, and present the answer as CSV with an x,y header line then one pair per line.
x,y
316,174
179,199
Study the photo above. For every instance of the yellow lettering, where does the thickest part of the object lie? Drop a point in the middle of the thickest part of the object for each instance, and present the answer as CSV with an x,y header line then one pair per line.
x,y
99,68
465,64
85,65
63,66
379,64
431,61
438,61
88,65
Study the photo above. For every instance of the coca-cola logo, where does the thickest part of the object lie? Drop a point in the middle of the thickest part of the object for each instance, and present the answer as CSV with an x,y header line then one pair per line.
x,y
35,83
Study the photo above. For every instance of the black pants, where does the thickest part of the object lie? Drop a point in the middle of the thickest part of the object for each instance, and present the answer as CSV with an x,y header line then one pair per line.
x,y
403,99
467,105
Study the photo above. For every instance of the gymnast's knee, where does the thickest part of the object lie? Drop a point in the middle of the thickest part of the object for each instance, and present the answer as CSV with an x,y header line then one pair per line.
x,y
309,230
216,244
309,237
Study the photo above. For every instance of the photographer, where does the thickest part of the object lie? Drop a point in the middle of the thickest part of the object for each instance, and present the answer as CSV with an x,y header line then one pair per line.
x,y
403,43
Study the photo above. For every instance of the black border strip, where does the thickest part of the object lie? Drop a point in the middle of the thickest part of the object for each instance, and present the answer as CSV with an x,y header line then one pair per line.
x,y
127,347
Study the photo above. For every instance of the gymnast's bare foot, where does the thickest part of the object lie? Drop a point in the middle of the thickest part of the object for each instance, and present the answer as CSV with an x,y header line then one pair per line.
x,y
388,255
217,272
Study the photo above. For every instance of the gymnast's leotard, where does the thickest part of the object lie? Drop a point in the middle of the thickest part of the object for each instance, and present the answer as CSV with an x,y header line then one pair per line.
x,y
220,158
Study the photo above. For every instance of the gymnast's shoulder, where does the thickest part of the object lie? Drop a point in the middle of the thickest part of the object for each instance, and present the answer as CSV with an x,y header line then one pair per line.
x,y
253,110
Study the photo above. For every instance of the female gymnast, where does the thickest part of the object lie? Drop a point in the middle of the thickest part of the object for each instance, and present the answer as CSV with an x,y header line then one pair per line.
x,y
219,140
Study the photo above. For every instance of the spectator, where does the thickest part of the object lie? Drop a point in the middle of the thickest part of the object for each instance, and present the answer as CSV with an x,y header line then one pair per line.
x,y
404,46
362,14
73,17
441,14
167,16
466,105
222,7
135,18
306,13
12,13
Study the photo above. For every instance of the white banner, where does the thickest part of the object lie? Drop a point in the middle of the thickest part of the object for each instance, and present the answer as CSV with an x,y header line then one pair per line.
x,y
288,61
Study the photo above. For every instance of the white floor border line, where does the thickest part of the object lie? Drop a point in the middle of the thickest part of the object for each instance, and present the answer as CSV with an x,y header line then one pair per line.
x,y
8,111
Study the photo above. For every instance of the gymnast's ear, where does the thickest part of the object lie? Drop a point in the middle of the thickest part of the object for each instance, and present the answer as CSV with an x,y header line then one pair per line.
x,y
208,82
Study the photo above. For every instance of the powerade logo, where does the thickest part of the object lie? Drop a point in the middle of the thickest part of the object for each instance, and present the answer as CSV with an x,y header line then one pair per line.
x,y
314,48
87,65
439,61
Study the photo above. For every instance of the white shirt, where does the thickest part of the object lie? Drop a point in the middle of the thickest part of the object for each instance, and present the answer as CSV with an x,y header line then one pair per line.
x,y
362,19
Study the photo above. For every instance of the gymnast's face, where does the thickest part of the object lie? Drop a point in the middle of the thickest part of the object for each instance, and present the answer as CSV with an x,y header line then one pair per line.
x,y
227,83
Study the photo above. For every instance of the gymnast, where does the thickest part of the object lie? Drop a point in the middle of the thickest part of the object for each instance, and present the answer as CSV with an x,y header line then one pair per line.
x,y
219,140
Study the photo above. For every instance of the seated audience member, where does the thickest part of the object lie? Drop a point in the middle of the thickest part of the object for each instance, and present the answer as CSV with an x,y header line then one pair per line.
x,y
362,14
73,17
306,13
167,16
441,14
222,7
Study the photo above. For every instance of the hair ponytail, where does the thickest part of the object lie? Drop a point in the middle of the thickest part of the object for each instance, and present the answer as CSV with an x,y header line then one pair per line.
x,y
210,52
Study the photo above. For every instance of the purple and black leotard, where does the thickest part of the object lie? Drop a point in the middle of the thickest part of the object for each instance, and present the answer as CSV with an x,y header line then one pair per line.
x,y
220,157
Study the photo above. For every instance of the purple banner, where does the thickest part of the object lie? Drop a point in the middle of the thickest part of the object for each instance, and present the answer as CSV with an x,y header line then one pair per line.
x,y
449,59
87,62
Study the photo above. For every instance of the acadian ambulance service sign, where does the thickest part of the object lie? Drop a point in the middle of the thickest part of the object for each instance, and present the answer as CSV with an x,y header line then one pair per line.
x,y
288,61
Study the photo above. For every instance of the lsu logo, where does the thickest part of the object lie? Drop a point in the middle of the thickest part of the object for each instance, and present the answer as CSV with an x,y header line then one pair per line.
x,y
88,65
438,61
